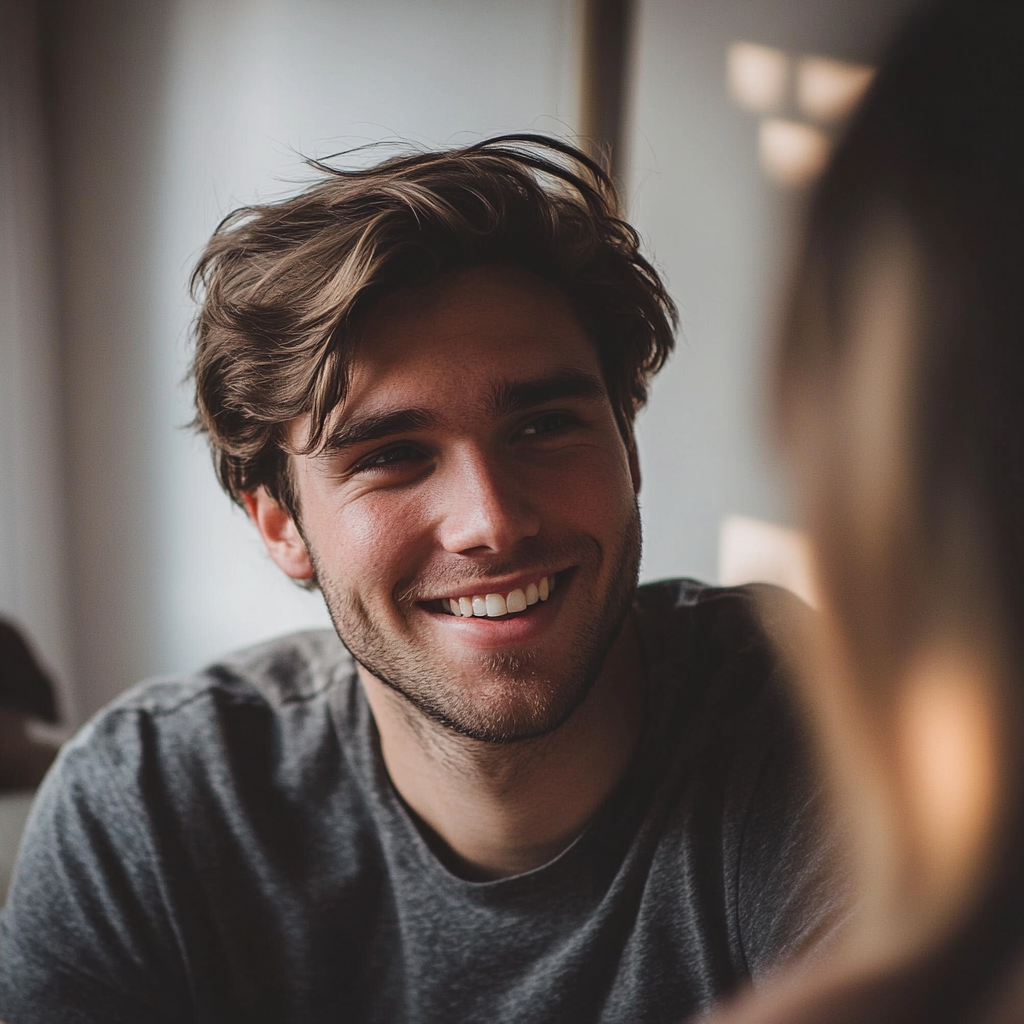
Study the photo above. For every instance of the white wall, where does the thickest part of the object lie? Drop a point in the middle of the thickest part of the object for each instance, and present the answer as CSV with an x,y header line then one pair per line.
x,y
722,235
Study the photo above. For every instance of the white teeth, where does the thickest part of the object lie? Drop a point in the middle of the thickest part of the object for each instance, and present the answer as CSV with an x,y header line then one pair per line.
x,y
495,605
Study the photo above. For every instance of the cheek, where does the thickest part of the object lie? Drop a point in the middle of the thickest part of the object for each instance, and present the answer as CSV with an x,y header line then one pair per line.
x,y
596,493
371,542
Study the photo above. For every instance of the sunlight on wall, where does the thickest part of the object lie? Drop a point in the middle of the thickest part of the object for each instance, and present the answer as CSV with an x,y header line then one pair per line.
x,y
752,550
828,90
765,80
757,76
791,153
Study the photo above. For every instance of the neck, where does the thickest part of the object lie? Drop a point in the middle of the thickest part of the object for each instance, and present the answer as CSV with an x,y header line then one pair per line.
x,y
502,809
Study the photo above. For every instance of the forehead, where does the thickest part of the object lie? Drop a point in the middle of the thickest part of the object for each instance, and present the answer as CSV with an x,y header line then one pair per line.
x,y
449,343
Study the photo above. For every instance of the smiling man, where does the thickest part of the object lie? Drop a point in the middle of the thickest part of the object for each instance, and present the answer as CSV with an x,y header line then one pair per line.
x,y
513,786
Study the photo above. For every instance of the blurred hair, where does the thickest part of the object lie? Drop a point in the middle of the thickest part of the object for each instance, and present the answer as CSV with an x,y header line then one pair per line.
x,y
899,395
285,286
899,385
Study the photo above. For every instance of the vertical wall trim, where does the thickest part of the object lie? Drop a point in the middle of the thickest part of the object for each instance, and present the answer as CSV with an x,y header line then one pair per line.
x,y
606,39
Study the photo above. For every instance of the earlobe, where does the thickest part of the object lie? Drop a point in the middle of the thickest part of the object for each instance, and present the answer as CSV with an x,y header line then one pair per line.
x,y
280,534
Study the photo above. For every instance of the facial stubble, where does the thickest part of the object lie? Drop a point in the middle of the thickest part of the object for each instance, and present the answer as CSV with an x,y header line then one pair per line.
x,y
516,697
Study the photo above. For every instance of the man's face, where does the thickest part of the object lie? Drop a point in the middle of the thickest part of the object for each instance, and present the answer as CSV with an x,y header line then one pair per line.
x,y
475,456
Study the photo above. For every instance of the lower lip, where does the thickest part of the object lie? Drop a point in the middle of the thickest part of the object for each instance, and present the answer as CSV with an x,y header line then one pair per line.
x,y
484,633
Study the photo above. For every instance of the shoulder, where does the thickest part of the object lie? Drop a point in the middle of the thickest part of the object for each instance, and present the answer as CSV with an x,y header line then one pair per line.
x,y
743,753
188,758
715,640
742,613
291,668
174,779
266,699
720,700
297,668
717,663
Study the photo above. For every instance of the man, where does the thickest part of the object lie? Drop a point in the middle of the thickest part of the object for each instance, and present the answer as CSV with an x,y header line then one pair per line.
x,y
522,789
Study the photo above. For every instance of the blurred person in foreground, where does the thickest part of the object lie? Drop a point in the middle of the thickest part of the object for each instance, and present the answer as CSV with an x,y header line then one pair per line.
x,y
26,696
518,787
900,397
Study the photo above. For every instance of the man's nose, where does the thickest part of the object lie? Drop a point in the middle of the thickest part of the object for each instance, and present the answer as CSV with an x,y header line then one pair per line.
x,y
485,506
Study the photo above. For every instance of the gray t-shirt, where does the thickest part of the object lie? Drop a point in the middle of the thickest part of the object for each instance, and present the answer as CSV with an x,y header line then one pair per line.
x,y
229,848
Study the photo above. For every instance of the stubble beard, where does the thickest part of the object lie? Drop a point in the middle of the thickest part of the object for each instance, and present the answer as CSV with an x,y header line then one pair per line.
x,y
515,697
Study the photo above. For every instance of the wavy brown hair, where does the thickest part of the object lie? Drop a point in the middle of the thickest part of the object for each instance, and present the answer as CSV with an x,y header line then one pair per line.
x,y
283,287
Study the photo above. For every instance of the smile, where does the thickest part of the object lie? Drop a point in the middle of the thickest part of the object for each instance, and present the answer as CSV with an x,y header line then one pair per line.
x,y
493,606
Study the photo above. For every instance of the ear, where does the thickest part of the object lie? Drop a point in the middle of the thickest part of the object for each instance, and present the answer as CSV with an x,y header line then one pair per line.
x,y
280,534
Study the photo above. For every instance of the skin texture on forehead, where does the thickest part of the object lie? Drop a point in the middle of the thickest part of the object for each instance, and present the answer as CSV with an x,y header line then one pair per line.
x,y
476,450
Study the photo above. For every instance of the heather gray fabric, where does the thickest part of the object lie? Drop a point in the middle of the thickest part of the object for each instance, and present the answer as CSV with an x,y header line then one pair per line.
x,y
229,848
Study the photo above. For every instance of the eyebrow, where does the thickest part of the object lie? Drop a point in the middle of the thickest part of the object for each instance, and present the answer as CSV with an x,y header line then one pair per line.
x,y
377,426
511,396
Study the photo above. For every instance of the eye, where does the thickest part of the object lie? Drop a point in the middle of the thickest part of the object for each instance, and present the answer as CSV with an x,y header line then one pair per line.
x,y
397,456
548,423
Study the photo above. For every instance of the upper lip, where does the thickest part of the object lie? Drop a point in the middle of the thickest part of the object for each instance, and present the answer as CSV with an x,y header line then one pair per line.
x,y
496,585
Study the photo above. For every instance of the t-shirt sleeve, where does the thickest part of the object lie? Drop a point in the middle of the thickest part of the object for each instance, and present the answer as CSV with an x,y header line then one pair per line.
x,y
85,936
794,894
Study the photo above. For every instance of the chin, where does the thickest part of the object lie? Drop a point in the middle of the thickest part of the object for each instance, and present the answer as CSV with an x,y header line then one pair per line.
x,y
505,703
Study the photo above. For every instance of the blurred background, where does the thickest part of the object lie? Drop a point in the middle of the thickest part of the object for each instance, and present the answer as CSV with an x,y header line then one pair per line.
x,y
129,128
